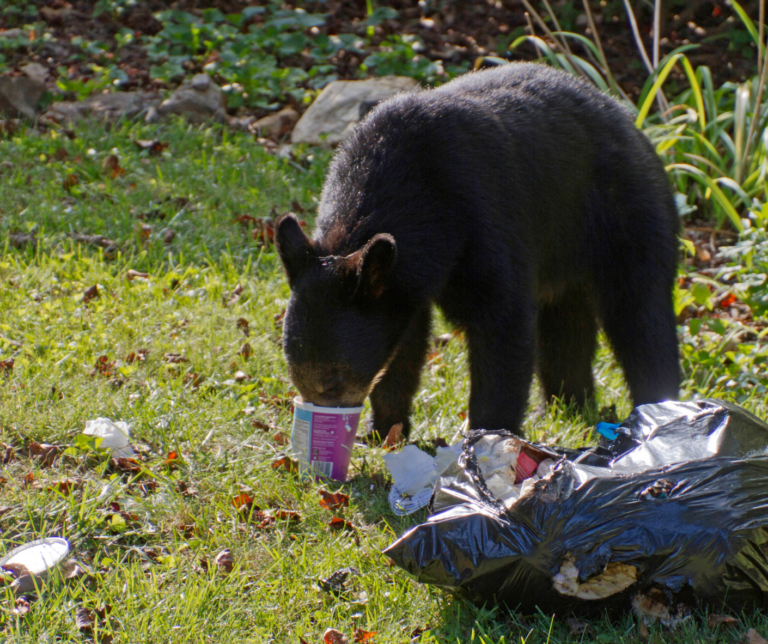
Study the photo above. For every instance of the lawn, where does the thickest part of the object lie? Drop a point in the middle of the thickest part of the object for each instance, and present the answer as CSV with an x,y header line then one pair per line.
x,y
171,321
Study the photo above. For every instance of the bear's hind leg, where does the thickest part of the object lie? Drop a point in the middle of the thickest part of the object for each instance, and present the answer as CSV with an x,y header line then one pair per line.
x,y
567,339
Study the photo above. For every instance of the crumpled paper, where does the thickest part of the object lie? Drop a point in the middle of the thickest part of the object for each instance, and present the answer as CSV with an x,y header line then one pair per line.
x,y
114,435
415,473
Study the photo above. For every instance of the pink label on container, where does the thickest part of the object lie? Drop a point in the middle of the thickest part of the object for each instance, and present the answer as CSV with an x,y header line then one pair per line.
x,y
324,442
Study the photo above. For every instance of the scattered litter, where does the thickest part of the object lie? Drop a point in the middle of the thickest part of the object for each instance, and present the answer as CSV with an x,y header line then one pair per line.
x,y
113,435
663,517
414,473
33,562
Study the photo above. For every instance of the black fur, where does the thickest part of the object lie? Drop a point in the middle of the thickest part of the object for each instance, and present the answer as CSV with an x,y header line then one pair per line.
x,y
522,202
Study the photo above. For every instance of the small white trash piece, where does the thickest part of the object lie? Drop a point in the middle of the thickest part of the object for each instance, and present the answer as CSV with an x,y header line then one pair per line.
x,y
34,561
113,435
414,474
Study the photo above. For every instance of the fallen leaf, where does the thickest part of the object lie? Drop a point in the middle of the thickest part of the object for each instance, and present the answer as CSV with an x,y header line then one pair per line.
x,y
21,606
83,620
44,453
65,486
70,181
715,621
394,436
187,490
285,463
336,582
175,358
21,240
131,275
61,154
281,439
154,146
332,636
337,523
225,561
279,319
754,638
242,325
333,502
364,636
291,516
90,293
128,465
137,356
172,460
145,232
240,376
169,234
8,455
111,165
73,570
727,301
245,351
234,296
6,366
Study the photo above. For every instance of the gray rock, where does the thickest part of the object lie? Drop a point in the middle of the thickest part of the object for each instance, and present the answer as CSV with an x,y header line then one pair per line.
x,y
335,112
199,101
275,125
19,96
35,71
105,107
13,33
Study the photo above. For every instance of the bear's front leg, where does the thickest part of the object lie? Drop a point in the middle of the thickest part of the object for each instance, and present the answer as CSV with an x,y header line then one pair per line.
x,y
502,350
392,396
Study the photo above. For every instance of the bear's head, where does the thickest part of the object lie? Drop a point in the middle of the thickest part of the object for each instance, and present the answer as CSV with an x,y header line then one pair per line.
x,y
343,320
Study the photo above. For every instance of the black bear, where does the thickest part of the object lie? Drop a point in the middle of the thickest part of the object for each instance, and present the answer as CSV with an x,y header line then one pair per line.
x,y
521,201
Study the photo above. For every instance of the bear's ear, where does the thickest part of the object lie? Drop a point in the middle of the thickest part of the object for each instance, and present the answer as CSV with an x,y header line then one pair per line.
x,y
377,259
295,248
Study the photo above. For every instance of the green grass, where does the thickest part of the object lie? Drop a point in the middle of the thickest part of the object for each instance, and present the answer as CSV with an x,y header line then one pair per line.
x,y
151,557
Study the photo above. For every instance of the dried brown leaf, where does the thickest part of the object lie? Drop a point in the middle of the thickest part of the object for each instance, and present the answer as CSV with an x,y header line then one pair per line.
x,y
21,606
70,181
337,523
364,636
242,325
333,501
83,620
246,351
175,358
726,621
90,293
6,366
44,453
225,561
154,146
132,274
111,166
332,636
285,463
394,436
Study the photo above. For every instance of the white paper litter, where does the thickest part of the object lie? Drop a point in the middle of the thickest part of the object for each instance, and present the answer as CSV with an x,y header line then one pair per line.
x,y
113,435
34,561
415,473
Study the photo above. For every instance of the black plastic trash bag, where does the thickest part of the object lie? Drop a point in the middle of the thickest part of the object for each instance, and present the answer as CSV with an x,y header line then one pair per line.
x,y
670,513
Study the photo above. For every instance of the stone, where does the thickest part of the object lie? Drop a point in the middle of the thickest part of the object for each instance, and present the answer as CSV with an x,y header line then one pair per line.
x,y
35,71
19,96
335,112
275,125
13,33
199,101
104,107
